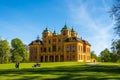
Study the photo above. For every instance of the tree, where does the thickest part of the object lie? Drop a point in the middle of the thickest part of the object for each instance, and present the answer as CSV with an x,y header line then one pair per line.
x,y
105,55
115,51
19,51
93,55
4,51
114,57
27,53
116,47
115,13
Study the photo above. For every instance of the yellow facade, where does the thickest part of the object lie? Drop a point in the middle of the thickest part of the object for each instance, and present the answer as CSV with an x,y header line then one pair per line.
x,y
59,47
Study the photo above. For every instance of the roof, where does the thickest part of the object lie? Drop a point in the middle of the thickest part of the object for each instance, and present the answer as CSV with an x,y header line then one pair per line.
x,y
72,30
54,33
36,41
73,39
86,42
46,30
65,27
76,39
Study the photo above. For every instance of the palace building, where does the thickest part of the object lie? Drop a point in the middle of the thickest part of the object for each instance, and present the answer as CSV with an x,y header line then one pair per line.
x,y
62,47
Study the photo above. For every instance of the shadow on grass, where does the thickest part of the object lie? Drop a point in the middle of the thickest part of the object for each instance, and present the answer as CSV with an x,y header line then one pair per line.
x,y
78,72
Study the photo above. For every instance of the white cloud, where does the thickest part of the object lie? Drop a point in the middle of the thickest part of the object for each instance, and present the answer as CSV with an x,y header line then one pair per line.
x,y
101,31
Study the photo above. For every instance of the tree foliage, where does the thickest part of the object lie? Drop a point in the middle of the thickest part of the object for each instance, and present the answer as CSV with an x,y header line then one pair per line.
x,y
105,55
93,55
4,51
116,47
115,51
19,51
114,57
115,13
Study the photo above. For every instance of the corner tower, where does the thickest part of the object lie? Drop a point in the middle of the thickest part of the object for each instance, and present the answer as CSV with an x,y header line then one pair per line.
x,y
66,31
73,33
46,33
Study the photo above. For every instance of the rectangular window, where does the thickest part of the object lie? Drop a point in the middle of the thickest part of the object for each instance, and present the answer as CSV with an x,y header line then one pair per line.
x,y
31,50
73,48
73,57
67,48
35,50
79,48
41,50
59,41
79,57
54,40
44,49
54,48
49,49
49,41
67,57
59,49
62,48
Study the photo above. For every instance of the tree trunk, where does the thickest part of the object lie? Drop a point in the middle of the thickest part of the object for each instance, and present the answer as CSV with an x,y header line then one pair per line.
x,y
2,56
2,60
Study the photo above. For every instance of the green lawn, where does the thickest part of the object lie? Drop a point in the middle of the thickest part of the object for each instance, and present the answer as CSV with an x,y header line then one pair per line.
x,y
61,71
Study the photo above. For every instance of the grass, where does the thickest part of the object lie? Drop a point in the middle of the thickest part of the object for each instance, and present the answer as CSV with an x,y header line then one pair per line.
x,y
61,71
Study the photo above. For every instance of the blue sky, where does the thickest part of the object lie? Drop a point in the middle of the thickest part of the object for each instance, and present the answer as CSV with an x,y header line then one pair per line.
x,y
25,19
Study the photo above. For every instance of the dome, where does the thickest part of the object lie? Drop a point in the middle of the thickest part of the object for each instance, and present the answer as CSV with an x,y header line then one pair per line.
x,y
72,30
46,30
38,41
54,33
65,27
